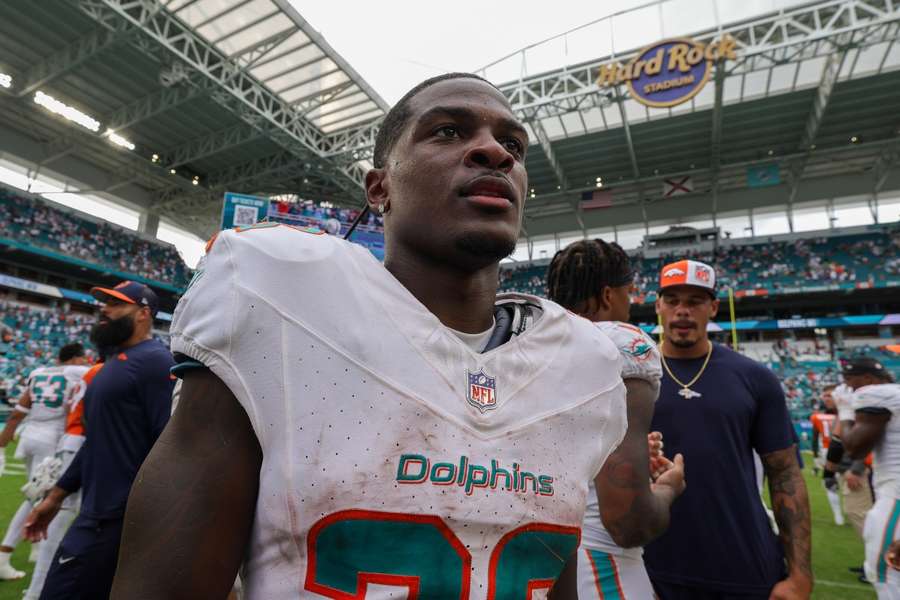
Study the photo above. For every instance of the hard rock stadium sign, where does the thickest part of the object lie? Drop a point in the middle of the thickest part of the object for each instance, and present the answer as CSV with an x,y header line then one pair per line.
x,y
668,72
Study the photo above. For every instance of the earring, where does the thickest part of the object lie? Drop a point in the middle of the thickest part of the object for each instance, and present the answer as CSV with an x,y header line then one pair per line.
x,y
381,209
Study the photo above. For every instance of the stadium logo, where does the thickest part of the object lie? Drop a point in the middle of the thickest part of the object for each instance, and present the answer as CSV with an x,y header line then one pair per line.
x,y
673,272
668,72
482,390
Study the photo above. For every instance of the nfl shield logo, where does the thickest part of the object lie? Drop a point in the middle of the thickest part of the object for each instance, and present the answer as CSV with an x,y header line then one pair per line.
x,y
482,390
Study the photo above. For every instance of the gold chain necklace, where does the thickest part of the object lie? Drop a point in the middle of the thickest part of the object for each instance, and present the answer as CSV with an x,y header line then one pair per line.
x,y
686,390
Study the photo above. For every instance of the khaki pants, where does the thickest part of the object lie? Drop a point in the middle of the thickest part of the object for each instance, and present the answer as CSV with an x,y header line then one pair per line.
x,y
856,502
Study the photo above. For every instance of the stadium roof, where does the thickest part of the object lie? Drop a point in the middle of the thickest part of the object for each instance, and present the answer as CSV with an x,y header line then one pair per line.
x,y
245,96
241,94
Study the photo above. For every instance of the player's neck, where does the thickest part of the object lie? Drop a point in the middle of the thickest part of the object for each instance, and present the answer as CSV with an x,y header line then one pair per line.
x,y
461,301
698,350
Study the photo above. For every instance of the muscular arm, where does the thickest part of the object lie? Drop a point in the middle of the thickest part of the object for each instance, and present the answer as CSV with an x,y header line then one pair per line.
x,y
790,503
191,508
867,429
631,511
14,418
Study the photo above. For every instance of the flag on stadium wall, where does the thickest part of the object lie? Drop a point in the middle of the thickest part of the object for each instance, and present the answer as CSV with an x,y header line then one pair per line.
x,y
596,199
675,186
763,175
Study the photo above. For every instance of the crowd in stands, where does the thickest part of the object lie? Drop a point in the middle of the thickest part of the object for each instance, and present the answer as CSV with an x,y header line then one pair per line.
x,y
868,259
30,337
38,224
322,214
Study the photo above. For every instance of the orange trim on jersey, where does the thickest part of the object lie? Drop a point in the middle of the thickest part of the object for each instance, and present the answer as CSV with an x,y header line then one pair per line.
x,y
210,242
75,418
122,356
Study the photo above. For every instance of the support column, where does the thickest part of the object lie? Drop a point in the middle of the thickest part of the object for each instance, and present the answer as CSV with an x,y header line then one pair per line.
x,y
148,223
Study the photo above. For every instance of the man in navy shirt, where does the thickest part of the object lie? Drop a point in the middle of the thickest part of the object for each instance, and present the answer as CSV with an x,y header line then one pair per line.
x,y
126,407
716,407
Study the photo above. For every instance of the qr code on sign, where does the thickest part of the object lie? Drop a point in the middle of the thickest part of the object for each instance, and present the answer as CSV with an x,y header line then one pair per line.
x,y
245,215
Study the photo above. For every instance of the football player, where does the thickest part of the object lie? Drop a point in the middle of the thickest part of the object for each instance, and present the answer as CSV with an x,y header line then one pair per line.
x,y
71,440
594,279
368,429
43,402
876,427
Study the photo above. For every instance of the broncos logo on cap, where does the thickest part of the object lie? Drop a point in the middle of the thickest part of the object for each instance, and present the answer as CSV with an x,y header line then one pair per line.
x,y
673,272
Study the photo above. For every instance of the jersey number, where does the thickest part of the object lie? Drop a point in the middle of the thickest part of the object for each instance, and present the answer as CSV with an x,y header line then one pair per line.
x,y
49,390
348,550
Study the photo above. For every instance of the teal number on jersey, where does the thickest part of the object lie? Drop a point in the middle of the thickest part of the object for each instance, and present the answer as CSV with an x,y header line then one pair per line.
x,y
350,549
49,391
529,558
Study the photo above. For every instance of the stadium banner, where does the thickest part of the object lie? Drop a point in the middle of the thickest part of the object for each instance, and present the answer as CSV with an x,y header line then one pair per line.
x,y
763,175
775,324
669,72
241,210
30,286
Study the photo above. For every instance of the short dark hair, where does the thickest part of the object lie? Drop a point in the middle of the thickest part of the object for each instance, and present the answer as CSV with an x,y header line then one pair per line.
x,y
70,351
396,119
582,269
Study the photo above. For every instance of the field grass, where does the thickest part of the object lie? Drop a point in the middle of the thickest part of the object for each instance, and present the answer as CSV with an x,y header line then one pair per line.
x,y
834,548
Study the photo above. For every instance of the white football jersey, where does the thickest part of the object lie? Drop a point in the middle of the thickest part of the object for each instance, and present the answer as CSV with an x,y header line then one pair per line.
x,y
886,461
640,356
50,387
396,459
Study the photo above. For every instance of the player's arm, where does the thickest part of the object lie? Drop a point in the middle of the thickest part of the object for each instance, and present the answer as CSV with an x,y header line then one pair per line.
x,y
867,429
202,473
21,410
790,503
632,511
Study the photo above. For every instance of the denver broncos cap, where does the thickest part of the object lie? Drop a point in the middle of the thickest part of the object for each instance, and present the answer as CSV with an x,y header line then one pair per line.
x,y
131,292
688,272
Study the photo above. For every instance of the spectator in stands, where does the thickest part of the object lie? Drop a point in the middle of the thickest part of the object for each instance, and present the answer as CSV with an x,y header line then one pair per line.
x,y
36,223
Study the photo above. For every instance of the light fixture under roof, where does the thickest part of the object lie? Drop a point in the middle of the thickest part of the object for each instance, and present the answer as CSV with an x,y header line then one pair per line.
x,y
118,140
155,158
854,139
66,111
172,171
5,80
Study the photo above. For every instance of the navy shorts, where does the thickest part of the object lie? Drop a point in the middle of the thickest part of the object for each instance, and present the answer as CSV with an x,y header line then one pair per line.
x,y
85,561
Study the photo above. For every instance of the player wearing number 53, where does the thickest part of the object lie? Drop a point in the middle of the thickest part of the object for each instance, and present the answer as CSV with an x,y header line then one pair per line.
x,y
44,403
352,429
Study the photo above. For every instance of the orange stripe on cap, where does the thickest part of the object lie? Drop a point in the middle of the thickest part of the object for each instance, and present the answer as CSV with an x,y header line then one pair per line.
x,y
113,293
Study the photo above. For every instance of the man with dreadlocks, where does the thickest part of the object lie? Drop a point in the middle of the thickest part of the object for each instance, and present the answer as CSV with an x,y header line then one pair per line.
x,y
593,279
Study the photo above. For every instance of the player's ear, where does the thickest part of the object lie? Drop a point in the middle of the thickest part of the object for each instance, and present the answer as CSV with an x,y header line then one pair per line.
x,y
377,189
714,308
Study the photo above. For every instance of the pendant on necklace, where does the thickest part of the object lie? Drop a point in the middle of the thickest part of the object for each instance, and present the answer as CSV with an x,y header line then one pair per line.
x,y
688,393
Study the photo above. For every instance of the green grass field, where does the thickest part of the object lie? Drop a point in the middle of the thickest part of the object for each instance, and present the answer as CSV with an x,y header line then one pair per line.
x,y
834,548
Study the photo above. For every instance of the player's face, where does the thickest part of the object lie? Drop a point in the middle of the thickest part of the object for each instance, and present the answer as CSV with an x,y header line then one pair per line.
x,y
454,186
828,399
685,312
